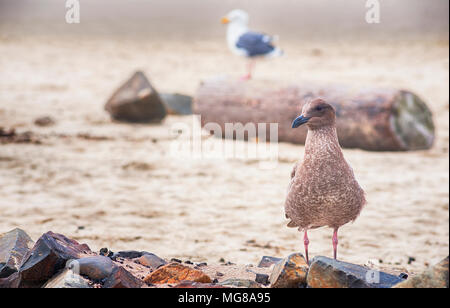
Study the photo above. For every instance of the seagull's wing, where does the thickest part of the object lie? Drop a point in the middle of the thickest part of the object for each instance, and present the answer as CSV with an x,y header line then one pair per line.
x,y
255,44
293,170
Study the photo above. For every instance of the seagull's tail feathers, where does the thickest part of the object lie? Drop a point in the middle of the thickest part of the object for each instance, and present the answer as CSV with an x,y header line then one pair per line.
x,y
274,38
277,52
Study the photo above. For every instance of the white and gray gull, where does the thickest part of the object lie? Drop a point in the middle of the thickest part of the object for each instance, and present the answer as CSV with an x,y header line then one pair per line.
x,y
243,42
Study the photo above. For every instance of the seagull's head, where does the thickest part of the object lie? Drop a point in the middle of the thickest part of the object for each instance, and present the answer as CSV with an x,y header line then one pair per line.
x,y
315,114
236,16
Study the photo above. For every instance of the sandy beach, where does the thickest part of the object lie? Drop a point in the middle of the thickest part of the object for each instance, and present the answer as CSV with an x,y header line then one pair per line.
x,y
117,185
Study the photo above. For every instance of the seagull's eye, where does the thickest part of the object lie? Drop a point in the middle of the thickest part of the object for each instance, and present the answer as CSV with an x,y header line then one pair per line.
x,y
319,108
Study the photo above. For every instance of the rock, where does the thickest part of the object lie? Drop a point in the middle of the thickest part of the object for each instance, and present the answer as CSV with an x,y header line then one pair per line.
x,y
240,283
435,277
47,257
194,285
97,267
104,251
67,279
14,245
290,272
44,121
176,272
267,261
201,264
136,101
129,254
262,279
12,281
329,273
177,103
151,260
122,279
11,136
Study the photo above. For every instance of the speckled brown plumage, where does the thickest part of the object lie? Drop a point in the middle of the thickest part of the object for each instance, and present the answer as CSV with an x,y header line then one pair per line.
x,y
323,190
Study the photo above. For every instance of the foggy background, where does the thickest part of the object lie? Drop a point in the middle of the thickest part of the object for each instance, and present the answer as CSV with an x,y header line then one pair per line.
x,y
200,19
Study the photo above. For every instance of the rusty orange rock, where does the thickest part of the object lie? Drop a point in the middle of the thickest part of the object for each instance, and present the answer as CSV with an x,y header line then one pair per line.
x,y
291,272
174,273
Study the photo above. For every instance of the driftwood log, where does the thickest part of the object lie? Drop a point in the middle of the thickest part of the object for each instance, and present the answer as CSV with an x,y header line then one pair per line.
x,y
367,118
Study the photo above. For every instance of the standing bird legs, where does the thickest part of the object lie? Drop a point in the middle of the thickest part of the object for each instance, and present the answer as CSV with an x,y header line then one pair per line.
x,y
306,243
335,244
250,66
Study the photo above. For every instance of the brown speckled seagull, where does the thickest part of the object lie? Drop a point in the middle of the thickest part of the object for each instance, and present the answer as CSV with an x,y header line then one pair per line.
x,y
323,190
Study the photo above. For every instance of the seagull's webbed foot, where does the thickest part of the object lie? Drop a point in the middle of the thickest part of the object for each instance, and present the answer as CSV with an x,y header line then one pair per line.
x,y
246,77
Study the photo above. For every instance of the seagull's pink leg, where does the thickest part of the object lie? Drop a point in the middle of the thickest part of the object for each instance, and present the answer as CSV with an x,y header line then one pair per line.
x,y
306,243
250,66
335,242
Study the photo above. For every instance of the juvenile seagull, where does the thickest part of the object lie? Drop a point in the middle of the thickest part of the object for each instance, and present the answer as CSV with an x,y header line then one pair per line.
x,y
323,190
247,43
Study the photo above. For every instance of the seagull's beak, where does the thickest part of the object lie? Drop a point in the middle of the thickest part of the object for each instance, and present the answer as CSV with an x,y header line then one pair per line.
x,y
299,121
224,20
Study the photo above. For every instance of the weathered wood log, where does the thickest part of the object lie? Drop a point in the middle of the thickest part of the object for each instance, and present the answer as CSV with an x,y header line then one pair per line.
x,y
367,118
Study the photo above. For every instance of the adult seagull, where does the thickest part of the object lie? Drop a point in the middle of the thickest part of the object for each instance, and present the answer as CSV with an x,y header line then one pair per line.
x,y
247,43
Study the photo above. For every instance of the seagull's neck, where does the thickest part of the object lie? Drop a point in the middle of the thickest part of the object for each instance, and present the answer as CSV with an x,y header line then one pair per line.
x,y
323,140
235,30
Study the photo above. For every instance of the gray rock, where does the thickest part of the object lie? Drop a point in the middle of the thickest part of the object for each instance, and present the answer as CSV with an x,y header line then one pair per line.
x,y
14,245
136,101
267,261
177,103
97,267
262,279
240,283
44,121
329,273
435,277
129,254
67,279
151,260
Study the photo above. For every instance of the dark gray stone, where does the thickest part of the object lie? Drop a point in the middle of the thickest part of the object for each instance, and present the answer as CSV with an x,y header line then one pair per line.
x,y
48,256
178,104
14,245
329,273
262,279
151,260
267,261
136,101
96,267
129,254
